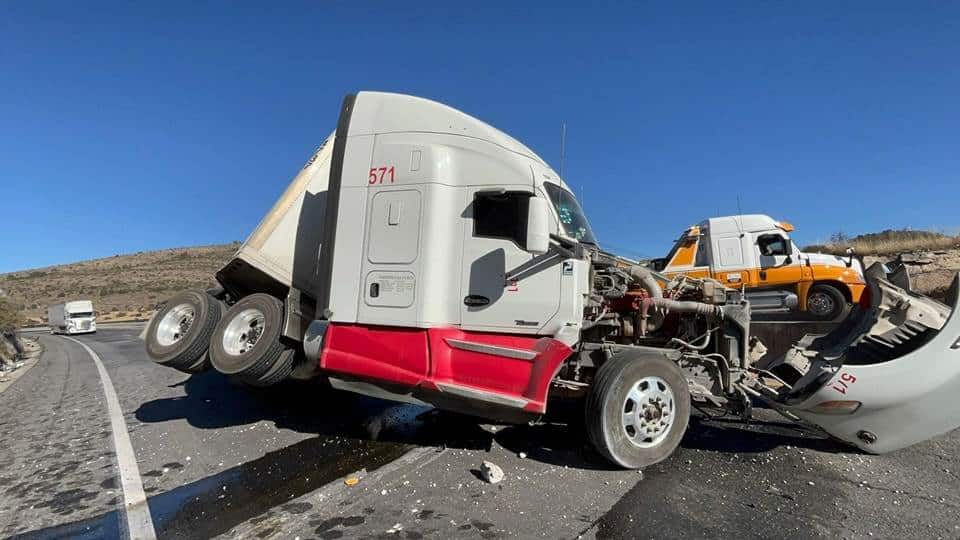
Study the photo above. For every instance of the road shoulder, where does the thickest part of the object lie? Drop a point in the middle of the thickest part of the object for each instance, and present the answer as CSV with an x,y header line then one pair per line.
x,y
34,351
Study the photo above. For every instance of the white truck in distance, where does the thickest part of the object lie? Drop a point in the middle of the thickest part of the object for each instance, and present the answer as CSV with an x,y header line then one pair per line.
x,y
76,317
455,268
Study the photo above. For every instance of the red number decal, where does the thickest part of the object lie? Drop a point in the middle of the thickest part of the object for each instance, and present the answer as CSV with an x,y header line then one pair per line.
x,y
377,174
841,385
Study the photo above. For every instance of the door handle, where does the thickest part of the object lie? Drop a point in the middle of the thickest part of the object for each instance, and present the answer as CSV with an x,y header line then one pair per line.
x,y
475,300
763,274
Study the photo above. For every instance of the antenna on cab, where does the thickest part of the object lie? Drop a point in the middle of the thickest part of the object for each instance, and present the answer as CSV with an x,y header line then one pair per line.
x,y
739,216
563,146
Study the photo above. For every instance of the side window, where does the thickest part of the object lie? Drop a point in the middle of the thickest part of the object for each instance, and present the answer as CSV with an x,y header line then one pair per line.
x,y
702,259
501,216
772,244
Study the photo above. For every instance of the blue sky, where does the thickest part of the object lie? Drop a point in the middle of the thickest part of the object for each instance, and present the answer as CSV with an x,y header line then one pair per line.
x,y
132,126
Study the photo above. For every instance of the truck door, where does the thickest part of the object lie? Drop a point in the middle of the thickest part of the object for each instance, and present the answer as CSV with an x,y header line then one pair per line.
x,y
494,235
779,265
728,261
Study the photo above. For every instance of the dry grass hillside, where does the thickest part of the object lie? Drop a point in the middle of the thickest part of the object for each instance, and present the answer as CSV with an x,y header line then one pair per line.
x,y
889,242
121,287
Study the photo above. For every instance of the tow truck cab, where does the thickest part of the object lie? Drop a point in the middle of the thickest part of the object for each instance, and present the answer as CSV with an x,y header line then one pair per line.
x,y
756,252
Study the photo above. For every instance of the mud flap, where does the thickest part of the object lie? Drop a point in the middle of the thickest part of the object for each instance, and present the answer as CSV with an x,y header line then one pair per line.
x,y
902,401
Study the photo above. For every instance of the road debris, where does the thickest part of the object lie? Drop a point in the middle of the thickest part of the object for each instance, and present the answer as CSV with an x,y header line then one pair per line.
x,y
490,472
352,481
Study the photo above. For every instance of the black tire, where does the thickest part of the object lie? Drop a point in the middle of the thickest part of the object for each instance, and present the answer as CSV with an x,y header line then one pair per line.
x,y
830,297
281,369
187,352
607,403
257,361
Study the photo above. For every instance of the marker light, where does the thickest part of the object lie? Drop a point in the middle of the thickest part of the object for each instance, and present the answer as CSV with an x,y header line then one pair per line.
x,y
836,407
785,226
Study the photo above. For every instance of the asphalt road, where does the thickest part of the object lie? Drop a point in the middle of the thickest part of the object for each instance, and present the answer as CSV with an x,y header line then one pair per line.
x,y
220,459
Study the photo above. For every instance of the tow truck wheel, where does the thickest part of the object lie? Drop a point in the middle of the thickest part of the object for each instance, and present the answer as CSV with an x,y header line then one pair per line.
x,y
246,343
638,409
825,302
179,334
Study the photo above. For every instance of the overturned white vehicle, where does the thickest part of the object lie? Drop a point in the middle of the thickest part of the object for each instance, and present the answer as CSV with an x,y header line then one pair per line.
x,y
887,377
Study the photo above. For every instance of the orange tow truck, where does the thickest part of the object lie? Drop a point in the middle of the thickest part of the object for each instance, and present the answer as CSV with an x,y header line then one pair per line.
x,y
755,253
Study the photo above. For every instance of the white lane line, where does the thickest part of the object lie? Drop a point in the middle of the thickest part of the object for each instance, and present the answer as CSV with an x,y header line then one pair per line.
x,y
139,522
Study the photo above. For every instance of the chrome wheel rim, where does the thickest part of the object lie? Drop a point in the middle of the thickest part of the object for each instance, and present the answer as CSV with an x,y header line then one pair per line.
x,y
175,324
243,331
649,411
821,304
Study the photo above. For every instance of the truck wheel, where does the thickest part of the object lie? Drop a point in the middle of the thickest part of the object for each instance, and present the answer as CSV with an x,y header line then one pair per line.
x,y
281,369
825,302
637,409
246,342
179,334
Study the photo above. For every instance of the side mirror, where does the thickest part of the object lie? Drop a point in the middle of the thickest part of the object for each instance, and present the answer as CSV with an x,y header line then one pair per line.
x,y
538,220
850,253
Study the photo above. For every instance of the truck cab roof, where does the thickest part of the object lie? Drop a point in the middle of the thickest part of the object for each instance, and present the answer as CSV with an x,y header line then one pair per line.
x,y
744,223
386,112
392,118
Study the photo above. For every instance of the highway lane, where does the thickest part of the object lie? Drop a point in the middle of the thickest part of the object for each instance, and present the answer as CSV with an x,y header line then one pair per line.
x,y
211,453
219,459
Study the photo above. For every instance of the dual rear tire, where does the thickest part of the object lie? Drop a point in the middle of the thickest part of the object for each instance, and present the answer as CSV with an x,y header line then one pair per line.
x,y
179,333
247,342
195,330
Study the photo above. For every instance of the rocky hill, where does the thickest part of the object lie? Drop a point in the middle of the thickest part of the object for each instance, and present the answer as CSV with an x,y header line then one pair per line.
x,y
932,258
931,272
121,287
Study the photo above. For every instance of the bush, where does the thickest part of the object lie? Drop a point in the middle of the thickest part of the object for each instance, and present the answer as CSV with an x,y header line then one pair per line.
x,y
10,316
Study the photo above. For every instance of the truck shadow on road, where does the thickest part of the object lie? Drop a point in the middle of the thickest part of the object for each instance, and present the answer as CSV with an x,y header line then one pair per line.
x,y
212,401
735,435
564,442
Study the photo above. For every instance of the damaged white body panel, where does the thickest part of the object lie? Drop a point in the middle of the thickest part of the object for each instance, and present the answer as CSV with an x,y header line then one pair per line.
x,y
887,378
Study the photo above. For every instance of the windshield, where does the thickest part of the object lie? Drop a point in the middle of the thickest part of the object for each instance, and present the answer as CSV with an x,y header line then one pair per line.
x,y
574,222
81,314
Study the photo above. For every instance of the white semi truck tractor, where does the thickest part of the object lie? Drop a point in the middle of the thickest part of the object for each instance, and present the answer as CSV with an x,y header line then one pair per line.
x,y
75,317
425,256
